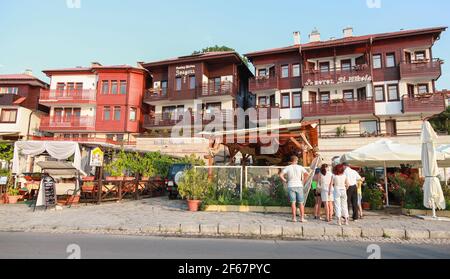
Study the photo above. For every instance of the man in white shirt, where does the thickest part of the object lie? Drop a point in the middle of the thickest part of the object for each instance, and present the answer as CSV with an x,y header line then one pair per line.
x,y
296,178
352,191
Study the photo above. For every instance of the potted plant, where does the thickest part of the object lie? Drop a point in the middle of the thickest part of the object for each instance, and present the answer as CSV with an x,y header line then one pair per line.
x,y
194,187
373,198
13,195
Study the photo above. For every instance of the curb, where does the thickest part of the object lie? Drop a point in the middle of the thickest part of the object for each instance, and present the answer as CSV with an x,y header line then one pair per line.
x,y
250,231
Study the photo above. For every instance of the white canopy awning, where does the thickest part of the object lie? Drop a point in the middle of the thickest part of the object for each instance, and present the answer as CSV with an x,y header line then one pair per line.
x,y
388,152
59,150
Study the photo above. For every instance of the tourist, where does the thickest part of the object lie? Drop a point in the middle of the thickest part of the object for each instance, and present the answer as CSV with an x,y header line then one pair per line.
x,y
326,191
352,191
317,195
296,178
340,183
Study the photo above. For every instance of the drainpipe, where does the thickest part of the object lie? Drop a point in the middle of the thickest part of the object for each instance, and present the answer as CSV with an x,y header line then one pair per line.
x,y
379,122
29,124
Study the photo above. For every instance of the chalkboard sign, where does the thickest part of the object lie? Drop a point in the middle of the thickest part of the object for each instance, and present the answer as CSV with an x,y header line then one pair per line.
x,y
48,184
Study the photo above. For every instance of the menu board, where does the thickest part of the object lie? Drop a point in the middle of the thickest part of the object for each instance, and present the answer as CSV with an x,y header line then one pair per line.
x,y
47,192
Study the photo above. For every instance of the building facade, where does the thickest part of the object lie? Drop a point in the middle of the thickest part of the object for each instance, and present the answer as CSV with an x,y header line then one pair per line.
x,y
20,112
355,87
196,84
95,104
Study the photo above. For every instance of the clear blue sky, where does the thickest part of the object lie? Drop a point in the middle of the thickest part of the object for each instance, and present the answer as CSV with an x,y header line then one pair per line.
x,y
43,34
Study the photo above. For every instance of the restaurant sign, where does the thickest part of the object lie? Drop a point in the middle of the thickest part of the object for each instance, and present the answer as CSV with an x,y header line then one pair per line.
x,y
340,80
186,70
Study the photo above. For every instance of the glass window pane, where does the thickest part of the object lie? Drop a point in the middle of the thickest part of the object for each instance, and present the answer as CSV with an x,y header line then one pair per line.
x,y
123,87
390,60
325,67
296,99
133,113
116,113
296,70
284,71
192,82
114,88
106,113
393,92
105,87
178,84
368,127
377,61
379,93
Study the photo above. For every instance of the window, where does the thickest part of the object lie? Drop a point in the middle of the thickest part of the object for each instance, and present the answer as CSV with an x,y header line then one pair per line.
x,y
105,87
391,127
123,87
368,127
390,60
346,65
119,137
192,82
296,70
285,100
8,116
106,113
133,113
420,55
60,86
348,95
116,113
164,87
379,94
262,72
296,99
110,136
67,136
58,112
313,97
79,86
262,101
324,67
178,84
9,90
284,71
377,61
114,87
217,82
393,93
70,87
423,88
324,97
84,136
361,94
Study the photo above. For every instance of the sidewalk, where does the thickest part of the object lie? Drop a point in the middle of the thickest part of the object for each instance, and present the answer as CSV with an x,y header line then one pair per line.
x,y
169,218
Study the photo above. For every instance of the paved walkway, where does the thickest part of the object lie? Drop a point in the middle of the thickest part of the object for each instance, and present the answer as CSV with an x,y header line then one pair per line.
x,y
160,216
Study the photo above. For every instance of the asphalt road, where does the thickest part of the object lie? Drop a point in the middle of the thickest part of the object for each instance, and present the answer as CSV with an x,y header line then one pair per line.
x,y
58,246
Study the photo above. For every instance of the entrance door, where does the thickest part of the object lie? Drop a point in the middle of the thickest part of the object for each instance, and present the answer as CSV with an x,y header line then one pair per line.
x,y
361,92
410,91
272,100
391,128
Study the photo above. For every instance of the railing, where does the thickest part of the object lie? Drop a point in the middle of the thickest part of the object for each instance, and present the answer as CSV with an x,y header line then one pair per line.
x,y
421,68
212,89
359,73
53,123
338,107
424,103
162,120
86,140
61,96
261,83
155,94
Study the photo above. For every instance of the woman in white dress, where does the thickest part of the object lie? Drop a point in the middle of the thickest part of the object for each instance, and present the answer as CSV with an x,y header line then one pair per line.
x,y
340,183
326,191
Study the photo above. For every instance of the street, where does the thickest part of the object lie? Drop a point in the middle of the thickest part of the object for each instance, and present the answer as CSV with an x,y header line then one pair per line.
x,y
61,246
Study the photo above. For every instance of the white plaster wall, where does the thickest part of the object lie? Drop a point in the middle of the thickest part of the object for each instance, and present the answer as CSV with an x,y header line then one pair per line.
x,y
89,81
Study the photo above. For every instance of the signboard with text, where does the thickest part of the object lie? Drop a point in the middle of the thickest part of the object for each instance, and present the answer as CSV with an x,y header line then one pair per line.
x,y
97,156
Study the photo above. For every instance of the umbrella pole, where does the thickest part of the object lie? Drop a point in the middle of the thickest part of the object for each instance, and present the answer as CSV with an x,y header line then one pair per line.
x,y
386,184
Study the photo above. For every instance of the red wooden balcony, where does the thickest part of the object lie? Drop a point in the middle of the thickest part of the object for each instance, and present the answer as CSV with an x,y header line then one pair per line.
x,y
68,96
162,120
55,123
263,83
429,69
338,108
355,74
432,103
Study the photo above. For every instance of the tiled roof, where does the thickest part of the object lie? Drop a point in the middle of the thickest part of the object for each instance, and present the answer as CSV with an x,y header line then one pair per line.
x,y
199,56
17,77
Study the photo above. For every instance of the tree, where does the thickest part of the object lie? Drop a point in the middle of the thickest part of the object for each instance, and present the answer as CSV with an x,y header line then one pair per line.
x,y
6,152
217,48
441,122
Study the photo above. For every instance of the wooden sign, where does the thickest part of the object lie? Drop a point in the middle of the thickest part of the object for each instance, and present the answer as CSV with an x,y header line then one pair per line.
x,y
97,156
183,71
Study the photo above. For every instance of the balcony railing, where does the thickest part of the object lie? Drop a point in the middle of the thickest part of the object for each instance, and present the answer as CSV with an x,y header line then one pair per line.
x,y
68,96
421,69
162,120
155,94
355,74
262,83
56,123
338,107
213,89
85,140
434,103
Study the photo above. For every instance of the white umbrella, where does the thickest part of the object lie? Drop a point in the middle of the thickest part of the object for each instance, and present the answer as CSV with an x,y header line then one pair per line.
x,y
433,195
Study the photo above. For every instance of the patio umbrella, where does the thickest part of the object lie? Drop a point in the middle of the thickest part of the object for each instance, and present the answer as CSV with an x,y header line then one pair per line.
x,y
433,195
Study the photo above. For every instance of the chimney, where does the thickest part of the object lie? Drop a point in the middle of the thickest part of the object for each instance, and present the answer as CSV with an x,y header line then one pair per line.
x,y
297,38
28,72
314,36
348,32
95,64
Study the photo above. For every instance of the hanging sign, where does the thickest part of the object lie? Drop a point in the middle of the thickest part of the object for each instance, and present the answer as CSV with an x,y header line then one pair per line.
x,y
97,156
187,70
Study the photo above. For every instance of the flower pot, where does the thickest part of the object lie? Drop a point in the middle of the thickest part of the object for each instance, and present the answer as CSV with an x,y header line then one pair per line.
x,y
365,206
193,205
13,199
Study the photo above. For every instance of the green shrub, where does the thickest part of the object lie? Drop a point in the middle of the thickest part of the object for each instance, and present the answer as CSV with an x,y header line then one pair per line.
x,y
374,196
194,185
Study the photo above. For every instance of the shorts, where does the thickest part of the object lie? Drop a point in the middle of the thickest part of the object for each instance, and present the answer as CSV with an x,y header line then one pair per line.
x,y
296,195
326,197
359,199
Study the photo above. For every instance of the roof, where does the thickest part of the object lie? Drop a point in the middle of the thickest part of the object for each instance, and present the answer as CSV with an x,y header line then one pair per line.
x,y
92,69
195,57
22,78
349,40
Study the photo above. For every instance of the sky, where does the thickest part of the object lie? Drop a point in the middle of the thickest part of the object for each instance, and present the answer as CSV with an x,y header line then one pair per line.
x,y
46,34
